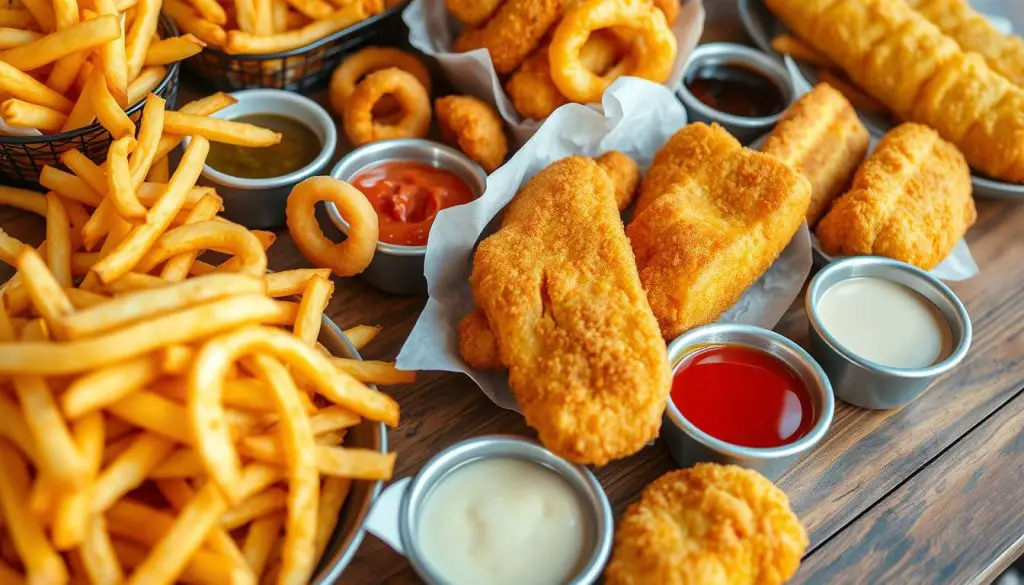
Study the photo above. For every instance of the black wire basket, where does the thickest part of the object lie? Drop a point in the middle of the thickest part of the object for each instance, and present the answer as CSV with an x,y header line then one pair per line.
x,y
23,157
300,69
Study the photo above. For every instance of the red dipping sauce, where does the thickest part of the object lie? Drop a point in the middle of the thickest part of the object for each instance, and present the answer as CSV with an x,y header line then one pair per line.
x,y
743,396
407,197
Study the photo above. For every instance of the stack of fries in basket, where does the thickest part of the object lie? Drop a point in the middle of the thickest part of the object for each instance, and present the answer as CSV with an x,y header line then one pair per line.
x,y
165,419
63,66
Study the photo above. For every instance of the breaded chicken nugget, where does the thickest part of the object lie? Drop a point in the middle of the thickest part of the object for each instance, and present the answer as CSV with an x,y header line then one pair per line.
x,y
477,344
561,293
474,127
624,173
911,200
514,31
822,137
708,525
472,12
703,239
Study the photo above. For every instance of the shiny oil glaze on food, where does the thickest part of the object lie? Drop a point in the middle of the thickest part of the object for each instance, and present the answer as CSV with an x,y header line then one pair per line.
x,y
885,322
735,89
503,522
299,146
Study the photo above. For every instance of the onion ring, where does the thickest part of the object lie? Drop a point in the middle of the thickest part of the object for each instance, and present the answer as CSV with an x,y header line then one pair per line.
x,y
366,61
360,125
349,257
474,127
650,56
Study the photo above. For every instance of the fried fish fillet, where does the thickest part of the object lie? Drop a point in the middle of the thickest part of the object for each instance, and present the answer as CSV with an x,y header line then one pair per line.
x,y
708,525
515,30
560,291
928,79
712,218
911,200
822,137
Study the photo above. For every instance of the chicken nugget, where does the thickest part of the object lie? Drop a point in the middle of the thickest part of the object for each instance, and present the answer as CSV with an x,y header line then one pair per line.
x,y
514,31
822,137
710,234
477,344
472,12
708,525
624,173
911,200
474,127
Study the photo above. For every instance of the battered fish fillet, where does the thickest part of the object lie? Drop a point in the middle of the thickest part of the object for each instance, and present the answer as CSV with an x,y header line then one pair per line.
x,y
905,61
624,174
472,12
560,290
911,200
474,127
514,31
973,32
822,137
708,525
711,219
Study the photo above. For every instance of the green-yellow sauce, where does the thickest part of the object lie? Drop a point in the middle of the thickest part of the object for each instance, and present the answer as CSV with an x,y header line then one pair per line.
x,y
299,146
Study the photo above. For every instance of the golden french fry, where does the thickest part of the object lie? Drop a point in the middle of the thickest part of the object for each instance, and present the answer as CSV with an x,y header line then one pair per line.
x,y
362,335
167,51
154,413
311,309
67,185
80,37
240,42
160,172
177,267
120,190
21,85
292,282
178,493
10,247
150,131
13,427
374,372
14,37
98,555
330,461
113,60
261,538
129,470
332,497
23,199
245,11
21,114
71,521
59,457
218,130
204,568
210,10
43,288
266,502
278,16
134,281
202,107
181,463
189,21
82,114
140,34
313,9
110,113
263,23
104,386
42,13
83,299
16,18
146,81
209,235
58,240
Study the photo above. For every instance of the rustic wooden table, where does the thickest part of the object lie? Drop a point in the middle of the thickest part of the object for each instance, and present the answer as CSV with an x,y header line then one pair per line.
x,y
930,493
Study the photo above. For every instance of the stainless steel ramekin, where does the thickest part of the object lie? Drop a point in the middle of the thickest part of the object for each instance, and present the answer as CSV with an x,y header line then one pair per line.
x,y
713,54
399,269
865,383
582,481
690,445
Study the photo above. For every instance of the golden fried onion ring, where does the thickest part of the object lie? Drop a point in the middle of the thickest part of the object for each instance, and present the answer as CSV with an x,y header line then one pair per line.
x,y
367,61
650,56
349,257
360,125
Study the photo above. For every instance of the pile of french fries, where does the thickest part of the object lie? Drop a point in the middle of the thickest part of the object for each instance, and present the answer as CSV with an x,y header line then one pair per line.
x,y
163,418
267,26
62,66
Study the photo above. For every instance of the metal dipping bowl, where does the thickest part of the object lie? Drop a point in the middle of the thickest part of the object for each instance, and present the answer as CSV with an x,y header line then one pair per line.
x,y
690,445
349,532
868,384
398,269
745,129
581,480
260,203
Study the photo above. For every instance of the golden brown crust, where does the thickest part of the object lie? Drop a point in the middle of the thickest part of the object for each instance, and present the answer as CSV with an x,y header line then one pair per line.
x,y
514,31
477,344
624,173
708,525
472,12
475,127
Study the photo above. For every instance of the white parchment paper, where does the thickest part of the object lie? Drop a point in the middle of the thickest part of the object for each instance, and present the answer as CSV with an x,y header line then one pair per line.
x,y
432,31
636,117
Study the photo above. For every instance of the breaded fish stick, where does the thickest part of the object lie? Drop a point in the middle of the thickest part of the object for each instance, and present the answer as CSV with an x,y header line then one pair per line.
x,y
702,238
822,137
911,200
560,290
904,60
514,31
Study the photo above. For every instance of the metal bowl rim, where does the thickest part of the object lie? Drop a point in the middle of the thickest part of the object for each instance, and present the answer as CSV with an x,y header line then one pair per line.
x,y
680,347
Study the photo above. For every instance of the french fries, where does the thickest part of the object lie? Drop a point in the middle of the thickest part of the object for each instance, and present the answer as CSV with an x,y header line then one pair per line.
x,y
123,371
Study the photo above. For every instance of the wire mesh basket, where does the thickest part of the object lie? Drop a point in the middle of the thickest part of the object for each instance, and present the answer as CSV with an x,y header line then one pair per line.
x,y
23,157
300,69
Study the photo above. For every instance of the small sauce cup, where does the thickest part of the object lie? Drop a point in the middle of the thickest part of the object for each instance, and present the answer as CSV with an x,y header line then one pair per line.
x,y
260,203
712,55
690,445
398,269
868,384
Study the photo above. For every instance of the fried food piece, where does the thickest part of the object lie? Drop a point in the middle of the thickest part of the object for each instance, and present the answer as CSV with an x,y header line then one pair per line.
x,y
624,173
708,525
670,8
822,137
911,200
472,12
799,50
851,92
477,344
475,127
514,31
563,298
361,124
531,88
711,224
365,61
956,93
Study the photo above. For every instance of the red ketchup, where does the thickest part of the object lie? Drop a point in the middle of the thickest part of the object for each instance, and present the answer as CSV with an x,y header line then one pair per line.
x,y
743,396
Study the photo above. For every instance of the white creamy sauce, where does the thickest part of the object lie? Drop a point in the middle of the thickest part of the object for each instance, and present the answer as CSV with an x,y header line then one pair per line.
x,y
885,322
503,522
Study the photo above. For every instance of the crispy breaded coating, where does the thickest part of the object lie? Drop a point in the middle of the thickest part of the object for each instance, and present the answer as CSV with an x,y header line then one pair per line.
x,y
477,344
561,293
911,200
472,12
474,127
822,137
708,525
624,173
701,240
514,31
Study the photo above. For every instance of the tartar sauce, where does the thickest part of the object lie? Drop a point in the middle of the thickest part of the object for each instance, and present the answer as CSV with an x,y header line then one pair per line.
x,y
503,521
